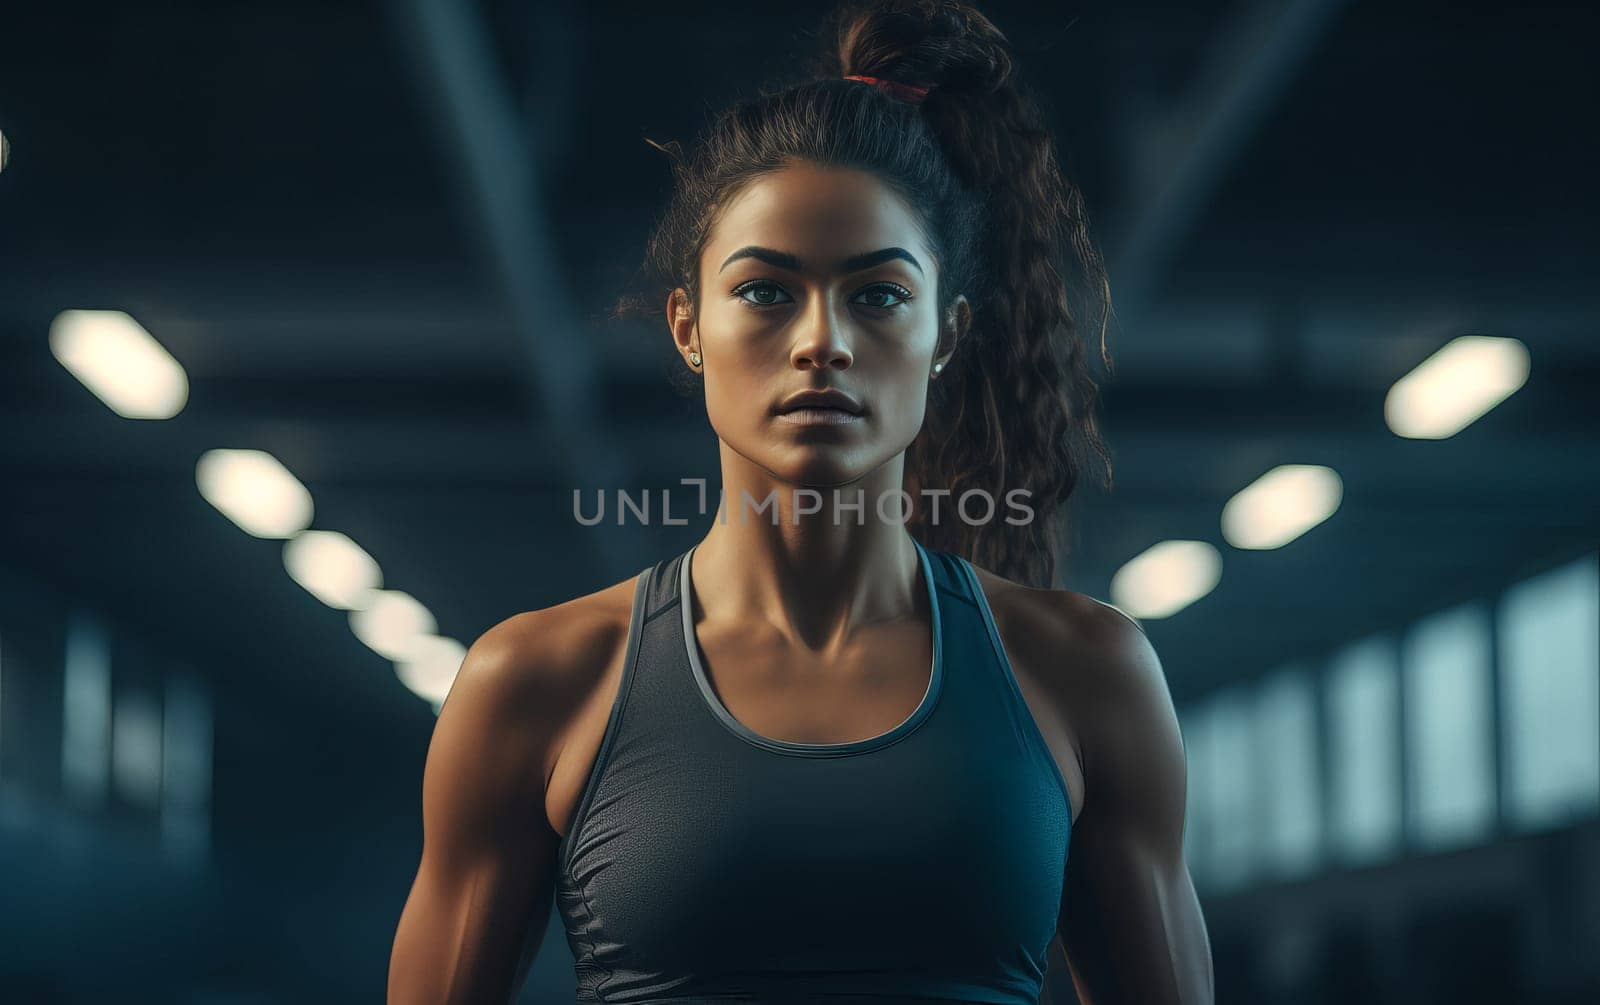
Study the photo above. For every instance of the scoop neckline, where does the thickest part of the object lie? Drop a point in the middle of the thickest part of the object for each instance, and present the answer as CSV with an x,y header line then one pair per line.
x,y
720,711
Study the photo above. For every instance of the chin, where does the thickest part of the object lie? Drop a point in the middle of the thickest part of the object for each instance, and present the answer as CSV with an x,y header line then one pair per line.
x,y
818,466
821,471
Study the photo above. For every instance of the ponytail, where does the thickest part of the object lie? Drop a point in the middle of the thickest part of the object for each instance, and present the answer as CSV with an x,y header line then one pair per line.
x,y
1012,416
1015,407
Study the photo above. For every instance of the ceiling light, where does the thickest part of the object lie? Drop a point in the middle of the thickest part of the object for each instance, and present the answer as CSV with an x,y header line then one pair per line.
x,y
391,622
1281,505
332,568
255,491
1166,578
431,666
1449,390
120,362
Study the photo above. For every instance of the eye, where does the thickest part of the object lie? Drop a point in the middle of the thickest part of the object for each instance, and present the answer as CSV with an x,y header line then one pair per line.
x,y
895,293
762,293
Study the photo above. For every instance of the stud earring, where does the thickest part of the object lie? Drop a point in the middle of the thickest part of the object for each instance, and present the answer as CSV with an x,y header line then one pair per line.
x,y
938,368
694,358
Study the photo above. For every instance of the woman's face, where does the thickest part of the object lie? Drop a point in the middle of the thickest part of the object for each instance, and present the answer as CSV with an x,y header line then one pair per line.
x,y
814,279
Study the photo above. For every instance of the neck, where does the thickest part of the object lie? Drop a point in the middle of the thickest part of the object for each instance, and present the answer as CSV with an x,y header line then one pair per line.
x,y
813,561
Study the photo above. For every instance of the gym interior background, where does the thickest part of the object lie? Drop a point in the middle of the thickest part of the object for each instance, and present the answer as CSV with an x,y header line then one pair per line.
x,y
1353,252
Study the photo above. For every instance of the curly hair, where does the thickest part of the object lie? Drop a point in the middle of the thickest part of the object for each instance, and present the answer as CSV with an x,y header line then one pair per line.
x,y
1015,406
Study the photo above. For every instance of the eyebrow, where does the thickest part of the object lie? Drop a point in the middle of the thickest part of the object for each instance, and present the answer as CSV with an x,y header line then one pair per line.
x,y
855,263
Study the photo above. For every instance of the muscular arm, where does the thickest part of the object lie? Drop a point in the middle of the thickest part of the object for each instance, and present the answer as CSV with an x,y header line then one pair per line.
x,y
1131,924
477,909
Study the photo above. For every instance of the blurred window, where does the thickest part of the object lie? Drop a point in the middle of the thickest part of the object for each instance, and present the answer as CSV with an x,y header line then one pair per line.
x,y
1363,694
1549,634
1195,725
1449,727
186,768
86,711
136,748
1286,752
1232,786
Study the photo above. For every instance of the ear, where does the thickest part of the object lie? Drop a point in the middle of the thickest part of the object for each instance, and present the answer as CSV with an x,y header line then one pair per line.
x,y
680,320
953,328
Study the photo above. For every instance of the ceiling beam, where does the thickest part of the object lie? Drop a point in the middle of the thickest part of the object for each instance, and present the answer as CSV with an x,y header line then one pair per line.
x,y
495,156
1247,68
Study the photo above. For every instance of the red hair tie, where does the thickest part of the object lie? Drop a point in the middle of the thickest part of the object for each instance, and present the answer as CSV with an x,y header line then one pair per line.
x,y
909,93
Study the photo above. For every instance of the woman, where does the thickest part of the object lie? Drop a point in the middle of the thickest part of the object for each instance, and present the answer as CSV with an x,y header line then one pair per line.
x,y
825,754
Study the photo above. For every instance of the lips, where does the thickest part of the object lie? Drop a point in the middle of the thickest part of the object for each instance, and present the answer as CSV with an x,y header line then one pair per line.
x,y
826,398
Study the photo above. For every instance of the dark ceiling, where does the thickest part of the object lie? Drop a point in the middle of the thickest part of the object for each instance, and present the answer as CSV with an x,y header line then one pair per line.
x,y
379,238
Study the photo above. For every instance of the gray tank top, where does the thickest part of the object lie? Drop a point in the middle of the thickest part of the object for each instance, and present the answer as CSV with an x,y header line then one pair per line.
x,y
709,863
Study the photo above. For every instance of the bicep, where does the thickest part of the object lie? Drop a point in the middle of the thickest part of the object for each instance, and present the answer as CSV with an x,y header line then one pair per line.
x,y
478,905
1131,923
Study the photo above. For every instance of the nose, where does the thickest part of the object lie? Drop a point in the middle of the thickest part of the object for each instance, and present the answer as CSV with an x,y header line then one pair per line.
x,y
822,341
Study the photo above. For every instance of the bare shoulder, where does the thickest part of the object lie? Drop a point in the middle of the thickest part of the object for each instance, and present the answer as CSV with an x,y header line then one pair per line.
x,y
527,655
1097,673
524,679
1075,644
477,908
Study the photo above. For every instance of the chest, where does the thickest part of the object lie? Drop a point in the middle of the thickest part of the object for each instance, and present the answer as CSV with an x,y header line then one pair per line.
x,y
833,695
916,856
